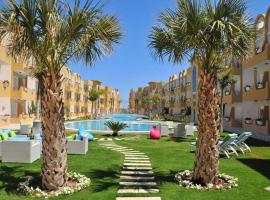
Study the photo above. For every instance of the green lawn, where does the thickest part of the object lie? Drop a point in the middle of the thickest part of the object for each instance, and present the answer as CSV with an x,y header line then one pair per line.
x,y
167,156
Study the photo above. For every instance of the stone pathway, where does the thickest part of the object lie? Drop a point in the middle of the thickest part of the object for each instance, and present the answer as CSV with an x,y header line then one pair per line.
x,y
136,176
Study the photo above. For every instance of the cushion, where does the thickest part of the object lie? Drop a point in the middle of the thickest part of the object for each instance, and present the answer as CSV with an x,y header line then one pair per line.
x,y
6,131
18,139
4,136
78,137
12,134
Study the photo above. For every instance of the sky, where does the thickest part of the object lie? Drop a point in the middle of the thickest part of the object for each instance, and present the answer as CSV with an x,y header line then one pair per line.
x,y
131,65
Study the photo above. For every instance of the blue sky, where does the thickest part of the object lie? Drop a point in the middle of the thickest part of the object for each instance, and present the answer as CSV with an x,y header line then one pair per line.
x,y
131,64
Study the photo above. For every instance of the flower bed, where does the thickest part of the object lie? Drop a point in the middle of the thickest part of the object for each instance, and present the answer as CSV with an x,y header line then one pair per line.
x,y
225,182
79,181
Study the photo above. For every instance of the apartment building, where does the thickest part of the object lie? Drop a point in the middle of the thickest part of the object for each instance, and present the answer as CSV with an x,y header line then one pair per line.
x,y
76,96
246,103
18,93
17,90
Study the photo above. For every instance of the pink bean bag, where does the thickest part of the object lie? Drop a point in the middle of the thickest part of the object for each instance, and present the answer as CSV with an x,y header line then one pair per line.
x,y
155,133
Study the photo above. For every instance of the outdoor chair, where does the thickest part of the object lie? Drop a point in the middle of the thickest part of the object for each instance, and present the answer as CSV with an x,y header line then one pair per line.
x,y
20,151
239,142
179,130
190,129
78,146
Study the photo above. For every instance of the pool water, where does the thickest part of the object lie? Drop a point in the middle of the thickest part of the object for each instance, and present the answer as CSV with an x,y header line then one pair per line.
x,y
134,122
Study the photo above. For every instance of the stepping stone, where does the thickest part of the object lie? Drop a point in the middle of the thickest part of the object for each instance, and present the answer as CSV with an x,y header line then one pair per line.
x,y
138,178
137,172
136,158
134,154
137,164
135,191
137,183
137,168
136,161
138,198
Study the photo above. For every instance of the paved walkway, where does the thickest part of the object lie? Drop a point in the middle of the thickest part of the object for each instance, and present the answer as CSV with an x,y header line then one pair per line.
x,y
137,176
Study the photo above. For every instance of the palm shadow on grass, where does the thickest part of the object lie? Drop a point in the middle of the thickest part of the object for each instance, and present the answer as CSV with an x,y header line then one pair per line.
x,y
165,177
12,176
103,179
257,143
259,165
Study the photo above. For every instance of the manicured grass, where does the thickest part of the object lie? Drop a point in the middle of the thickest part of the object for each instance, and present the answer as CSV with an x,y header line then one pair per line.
x,y
167,156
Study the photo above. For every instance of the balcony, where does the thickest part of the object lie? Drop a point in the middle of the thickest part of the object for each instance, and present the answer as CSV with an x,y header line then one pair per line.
x,y
230,96
23,94
259,92
257,58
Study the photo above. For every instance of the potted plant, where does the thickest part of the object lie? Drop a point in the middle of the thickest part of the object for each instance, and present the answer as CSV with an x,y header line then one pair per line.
x,y
259,122
248,120
247,88
260,85
115,127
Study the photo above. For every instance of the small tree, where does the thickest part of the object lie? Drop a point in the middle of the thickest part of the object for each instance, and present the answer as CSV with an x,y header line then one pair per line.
x,y
115,127
224,82
94,95
32,109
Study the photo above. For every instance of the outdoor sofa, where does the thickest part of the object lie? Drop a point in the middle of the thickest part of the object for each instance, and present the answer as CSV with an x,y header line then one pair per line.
x,y
20,151
78,146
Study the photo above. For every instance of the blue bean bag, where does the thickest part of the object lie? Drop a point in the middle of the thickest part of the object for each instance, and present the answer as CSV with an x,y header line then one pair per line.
x,y
83,132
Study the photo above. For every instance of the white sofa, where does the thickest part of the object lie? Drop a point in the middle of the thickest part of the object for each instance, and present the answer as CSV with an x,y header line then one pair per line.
x,y
78,146
20,151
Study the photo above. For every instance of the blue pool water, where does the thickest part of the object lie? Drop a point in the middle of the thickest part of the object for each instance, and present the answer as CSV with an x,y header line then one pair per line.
x,y
134,122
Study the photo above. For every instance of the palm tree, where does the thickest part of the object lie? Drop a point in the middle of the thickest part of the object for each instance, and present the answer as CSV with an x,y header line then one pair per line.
x,y
224,81
52,32
210,33
115,127
93,97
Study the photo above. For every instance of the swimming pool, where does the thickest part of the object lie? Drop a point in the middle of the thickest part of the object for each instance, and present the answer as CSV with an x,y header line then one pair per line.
x,y
136,123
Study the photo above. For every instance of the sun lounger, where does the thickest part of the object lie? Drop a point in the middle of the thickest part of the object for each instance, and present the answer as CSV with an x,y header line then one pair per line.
x,y
239,142
225,146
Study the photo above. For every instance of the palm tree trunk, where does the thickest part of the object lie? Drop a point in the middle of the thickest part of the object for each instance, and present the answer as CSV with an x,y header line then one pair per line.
x,y
207,153
92,110
221,113
54,150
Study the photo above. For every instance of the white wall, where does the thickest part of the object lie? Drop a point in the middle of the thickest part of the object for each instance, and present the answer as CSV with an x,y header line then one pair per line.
x,y
251,109
5,72
5,107
248,77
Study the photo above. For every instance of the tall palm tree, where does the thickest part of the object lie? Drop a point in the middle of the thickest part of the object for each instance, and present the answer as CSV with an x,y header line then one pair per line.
x,y
93,97
210,33
52,32
224,81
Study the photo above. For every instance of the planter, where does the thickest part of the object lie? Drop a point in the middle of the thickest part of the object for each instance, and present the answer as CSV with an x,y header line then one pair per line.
x,y
226,119
247,88
260,85
248,121
227,93
259,122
